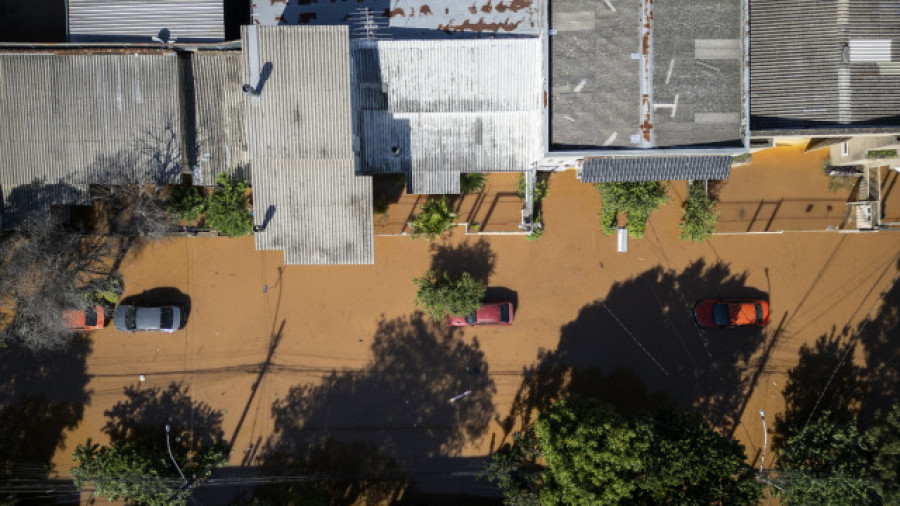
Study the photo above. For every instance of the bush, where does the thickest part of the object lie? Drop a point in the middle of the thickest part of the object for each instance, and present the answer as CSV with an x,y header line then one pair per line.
x,y
877,154
435,217
699,220
541,187
228,211
186,202
537,229
440,294
635,198
742,158
471,183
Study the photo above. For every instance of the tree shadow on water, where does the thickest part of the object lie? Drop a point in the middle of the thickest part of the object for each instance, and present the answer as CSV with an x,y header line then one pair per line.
x,y
41,396
141,418
425,394
476,258
830,377
639,347
805,392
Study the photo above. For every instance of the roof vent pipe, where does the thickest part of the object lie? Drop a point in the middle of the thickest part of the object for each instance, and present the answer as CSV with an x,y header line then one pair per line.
x,y
250,91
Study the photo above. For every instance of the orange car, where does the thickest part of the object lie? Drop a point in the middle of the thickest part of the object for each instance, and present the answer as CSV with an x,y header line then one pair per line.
x,y
92,318
731,312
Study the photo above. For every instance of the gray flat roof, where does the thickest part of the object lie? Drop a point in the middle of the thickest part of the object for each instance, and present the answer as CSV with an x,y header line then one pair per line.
x,y
300,138
695,52
800,81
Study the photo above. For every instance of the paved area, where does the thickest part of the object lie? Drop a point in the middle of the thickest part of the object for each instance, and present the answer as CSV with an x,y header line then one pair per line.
x,y
299,356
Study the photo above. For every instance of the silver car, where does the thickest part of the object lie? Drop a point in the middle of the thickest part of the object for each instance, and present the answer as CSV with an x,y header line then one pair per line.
x,y
147,319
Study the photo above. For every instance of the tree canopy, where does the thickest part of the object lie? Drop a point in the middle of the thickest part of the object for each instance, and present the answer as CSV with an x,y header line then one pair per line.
x,y
442,294
435,217
825,463
635,198
594,456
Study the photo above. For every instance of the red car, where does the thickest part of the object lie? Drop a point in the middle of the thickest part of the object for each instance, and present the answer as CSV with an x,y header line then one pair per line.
x,y
491,313
731,312
92,318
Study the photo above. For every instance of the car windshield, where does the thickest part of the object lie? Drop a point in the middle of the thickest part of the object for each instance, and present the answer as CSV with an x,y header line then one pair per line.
x,y
471,319
165,318
504,313
130,322
90,317
759,313
720,314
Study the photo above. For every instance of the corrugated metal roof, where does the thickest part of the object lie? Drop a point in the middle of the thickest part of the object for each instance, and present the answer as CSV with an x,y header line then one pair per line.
x,y
653,168
219,115
138,20
435,108
301,148
70,119
321,212
800,73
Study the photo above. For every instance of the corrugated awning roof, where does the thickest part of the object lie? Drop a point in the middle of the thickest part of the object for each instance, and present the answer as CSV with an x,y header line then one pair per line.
x,y
138,20
655,168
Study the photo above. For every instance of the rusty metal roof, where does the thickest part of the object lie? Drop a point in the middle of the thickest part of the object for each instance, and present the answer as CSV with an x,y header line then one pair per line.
x,y
407,19
306,192
436,108
138,20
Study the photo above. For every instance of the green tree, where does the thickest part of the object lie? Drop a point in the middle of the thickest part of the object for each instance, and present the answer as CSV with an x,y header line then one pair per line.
x,y
514,468
699,219
185,202
825,463
883,438
436,216
126,472
594,456
635,198
471,183
541,188
441,294
228,211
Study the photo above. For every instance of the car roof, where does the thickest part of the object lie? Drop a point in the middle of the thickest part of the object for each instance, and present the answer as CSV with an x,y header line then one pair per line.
x,y
742,312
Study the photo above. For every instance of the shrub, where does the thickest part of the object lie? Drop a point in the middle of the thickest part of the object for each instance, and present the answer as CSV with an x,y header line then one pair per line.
x,y
541,187
441,294
635,198
228,211
186,202
699,219
537,229
742,158
471,183
435,217
876,154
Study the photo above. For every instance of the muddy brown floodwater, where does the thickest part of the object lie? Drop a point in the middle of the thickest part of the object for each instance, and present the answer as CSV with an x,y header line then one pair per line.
x,y
356,362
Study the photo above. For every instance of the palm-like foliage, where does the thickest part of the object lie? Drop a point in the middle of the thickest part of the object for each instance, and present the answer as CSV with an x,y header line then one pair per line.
x,y
436,216
635,198
471,183
699,221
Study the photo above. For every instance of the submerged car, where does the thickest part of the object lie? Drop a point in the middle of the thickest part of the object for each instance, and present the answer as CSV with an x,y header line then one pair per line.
x,y
491,313
731,312
147,319
92,318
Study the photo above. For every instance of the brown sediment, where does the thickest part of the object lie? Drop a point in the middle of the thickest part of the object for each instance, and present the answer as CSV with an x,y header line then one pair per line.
x,y
397,12
487,8
480,26
425,10
473,9
517,5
